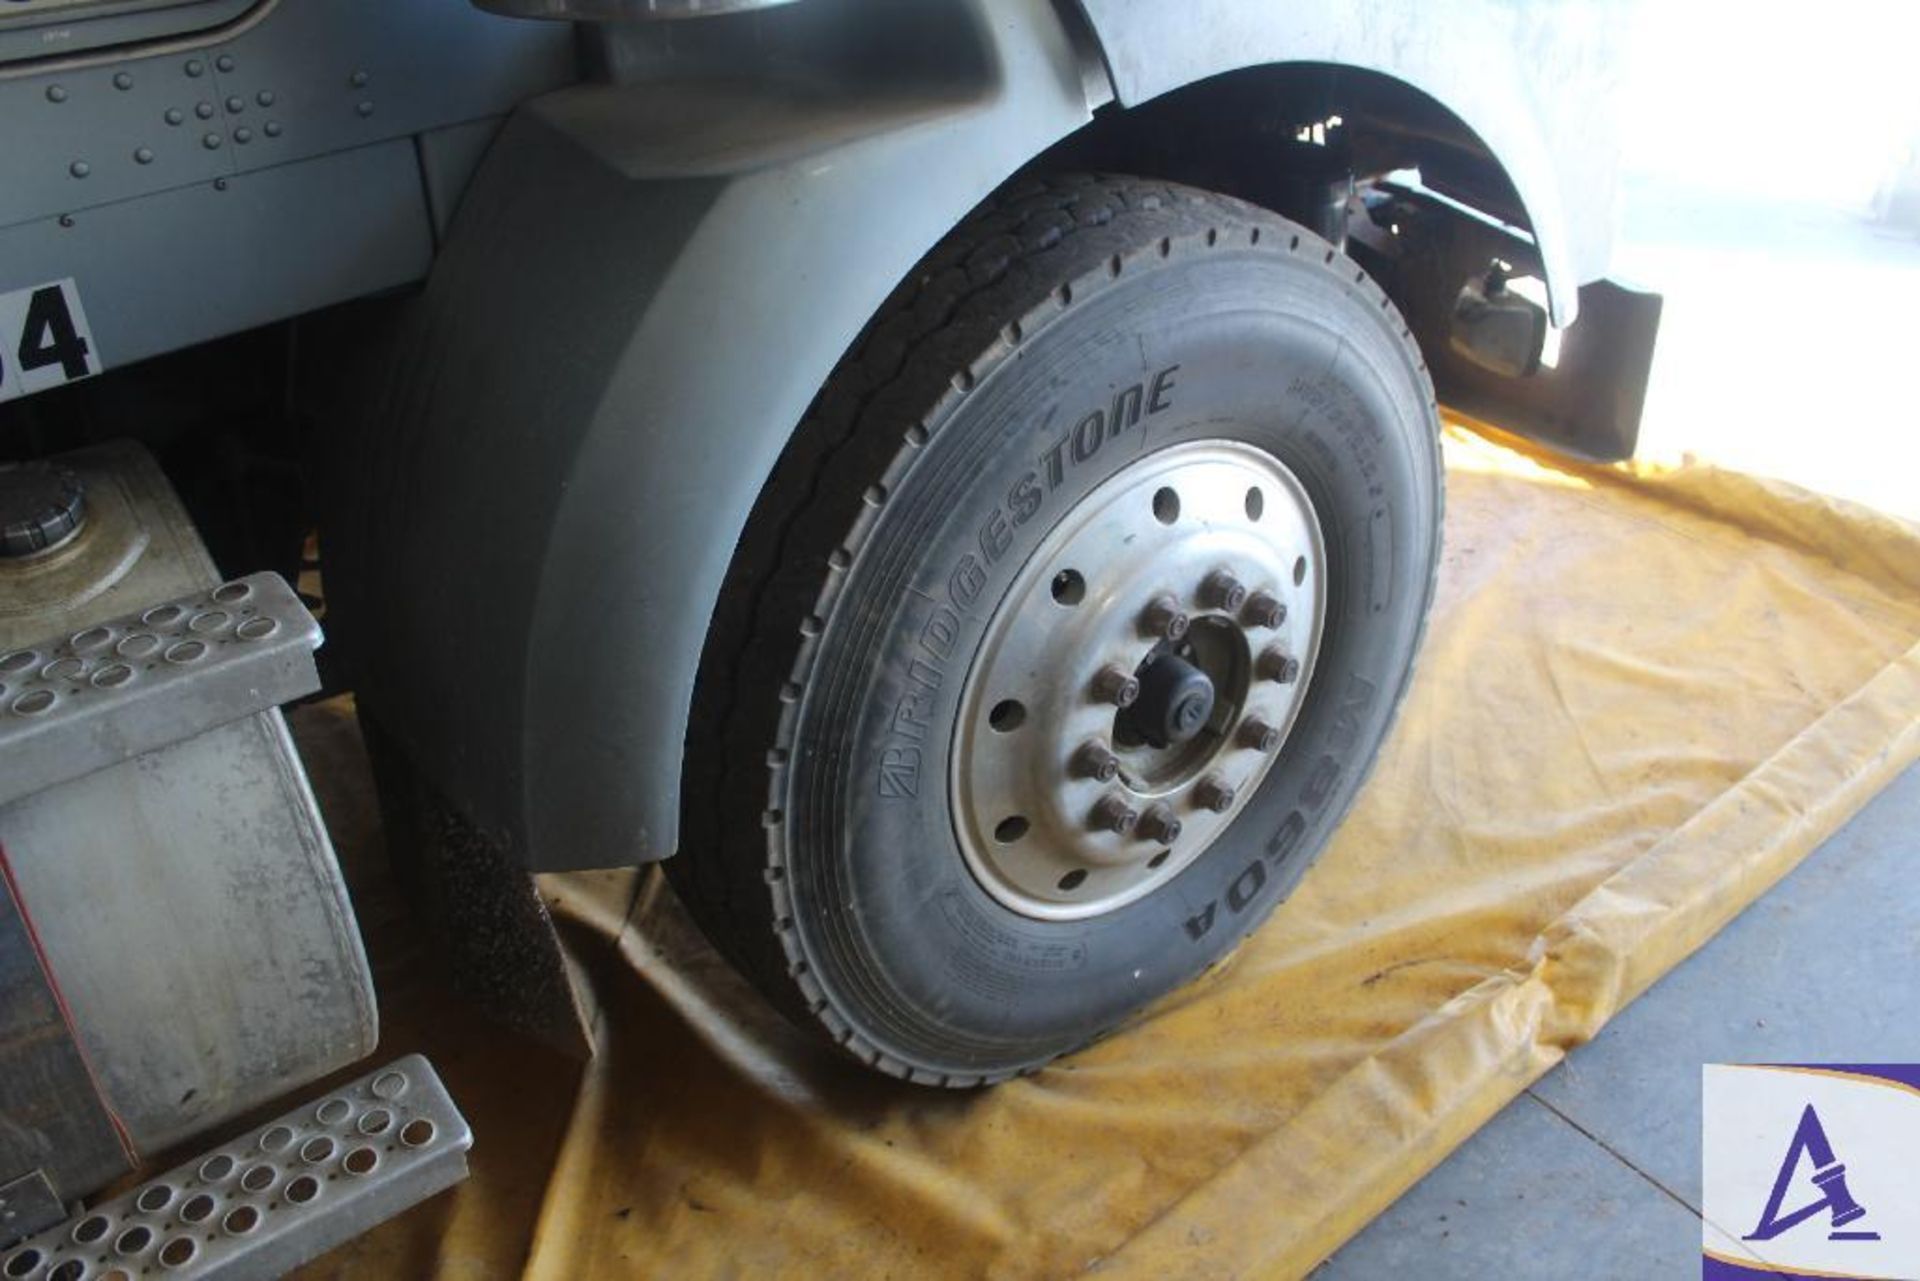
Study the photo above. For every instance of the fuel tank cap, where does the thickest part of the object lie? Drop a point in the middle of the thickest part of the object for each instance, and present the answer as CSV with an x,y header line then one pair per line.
x,y
41,506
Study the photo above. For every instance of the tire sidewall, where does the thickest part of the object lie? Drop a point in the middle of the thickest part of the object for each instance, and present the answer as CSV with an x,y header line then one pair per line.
x,y
1260,345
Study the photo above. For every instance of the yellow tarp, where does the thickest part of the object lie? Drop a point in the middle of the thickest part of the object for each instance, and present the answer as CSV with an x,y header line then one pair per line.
x,y
1646,694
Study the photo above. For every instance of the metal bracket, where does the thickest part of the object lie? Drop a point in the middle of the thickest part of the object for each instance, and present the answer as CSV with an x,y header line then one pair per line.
x,y
1423,249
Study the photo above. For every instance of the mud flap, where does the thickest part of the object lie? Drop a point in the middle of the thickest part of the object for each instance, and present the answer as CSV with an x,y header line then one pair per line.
x,y
491,929
1585,401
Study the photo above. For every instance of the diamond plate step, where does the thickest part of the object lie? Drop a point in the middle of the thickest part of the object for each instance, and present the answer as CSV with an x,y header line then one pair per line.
x,y
270,1201
109,692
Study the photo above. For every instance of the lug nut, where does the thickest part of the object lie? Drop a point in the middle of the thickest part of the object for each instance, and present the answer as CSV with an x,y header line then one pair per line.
x,y
1259,735
1094,761
1213,793
1264,609
1113,814
1164,618
1221,590
1159,824
1115,684
1276,664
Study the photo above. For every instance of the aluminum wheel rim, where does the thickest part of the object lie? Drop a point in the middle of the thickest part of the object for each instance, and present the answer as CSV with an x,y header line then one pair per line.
x,y
1208,552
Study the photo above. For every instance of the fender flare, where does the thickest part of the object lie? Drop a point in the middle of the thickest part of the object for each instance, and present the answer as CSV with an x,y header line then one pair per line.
x,y
564,436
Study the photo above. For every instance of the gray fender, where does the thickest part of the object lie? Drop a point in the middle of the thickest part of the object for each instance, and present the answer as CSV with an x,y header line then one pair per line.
x,y
642,291
568,432
1505,68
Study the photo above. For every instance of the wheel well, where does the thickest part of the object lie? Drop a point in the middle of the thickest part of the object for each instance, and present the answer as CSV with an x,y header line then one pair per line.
x,y
1304,138
1251,132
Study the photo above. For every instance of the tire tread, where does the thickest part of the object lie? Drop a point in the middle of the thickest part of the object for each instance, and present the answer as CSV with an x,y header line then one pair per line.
x,y
1028,251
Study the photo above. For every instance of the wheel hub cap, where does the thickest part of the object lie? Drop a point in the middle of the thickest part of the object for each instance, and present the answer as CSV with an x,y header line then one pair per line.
x,y
1137,680
1175,703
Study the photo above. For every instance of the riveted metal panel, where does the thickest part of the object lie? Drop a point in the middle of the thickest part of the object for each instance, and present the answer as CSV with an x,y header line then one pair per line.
x,y
78,139
192,264
308,78
345,73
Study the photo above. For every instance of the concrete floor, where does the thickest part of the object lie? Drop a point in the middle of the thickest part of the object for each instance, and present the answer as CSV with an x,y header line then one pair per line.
x,y
1595,1171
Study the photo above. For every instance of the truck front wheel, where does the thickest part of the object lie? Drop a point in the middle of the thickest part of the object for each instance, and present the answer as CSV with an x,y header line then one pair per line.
x,y
1065,630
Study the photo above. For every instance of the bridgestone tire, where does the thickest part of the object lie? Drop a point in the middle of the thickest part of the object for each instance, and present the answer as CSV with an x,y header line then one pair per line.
x,y
819,850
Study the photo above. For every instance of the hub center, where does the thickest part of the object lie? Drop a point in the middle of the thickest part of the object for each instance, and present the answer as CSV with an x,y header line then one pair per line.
x,y
1175,703
1137,680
